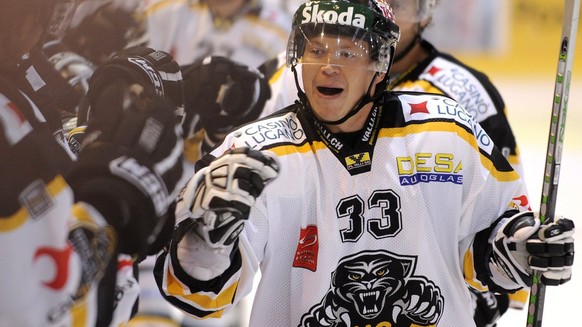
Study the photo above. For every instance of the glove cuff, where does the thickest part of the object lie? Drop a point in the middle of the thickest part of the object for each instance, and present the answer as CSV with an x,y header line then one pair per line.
x,y
200,260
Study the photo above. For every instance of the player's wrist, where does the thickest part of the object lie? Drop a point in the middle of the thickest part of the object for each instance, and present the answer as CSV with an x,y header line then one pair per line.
x,y
201,261
192,255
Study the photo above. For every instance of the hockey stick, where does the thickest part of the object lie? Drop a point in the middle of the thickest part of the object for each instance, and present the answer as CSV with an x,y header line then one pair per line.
x,y
555,145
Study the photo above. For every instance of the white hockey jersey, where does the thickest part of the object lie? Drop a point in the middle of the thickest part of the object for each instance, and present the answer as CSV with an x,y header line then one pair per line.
x,y
45,278
187,30
378,233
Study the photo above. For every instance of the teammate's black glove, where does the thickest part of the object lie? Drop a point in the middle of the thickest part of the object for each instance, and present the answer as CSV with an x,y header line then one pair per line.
x,y
224,94
521,244
130,165
154,70
221,194
77,71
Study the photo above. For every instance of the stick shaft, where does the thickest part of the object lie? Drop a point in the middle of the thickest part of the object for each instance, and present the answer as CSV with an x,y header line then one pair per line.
x,y
555,145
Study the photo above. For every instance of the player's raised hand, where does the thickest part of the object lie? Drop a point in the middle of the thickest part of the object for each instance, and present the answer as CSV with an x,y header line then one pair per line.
x,y
221,194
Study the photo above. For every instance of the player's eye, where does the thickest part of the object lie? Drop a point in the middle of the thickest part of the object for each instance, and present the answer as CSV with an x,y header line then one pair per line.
x,y
316,52
346,54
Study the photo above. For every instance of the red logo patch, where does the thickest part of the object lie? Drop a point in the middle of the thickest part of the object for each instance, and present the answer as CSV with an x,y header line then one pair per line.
x,y
307,249
433,70
416,108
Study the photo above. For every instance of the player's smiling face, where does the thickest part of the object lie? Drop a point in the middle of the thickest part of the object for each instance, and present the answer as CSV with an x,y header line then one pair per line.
x,y
336,75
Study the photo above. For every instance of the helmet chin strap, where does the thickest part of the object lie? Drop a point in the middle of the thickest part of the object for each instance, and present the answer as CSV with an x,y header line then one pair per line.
x,y
365,99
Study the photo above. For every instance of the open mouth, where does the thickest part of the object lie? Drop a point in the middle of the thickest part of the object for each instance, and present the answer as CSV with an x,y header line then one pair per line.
x,y
329,90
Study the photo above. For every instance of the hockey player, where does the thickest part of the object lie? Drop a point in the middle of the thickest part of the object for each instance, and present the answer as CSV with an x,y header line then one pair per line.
x,y
378,207
418,66
157,71
193,29
62,221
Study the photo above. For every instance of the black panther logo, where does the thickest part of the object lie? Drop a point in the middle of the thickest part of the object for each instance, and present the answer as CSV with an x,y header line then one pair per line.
x,y
377,288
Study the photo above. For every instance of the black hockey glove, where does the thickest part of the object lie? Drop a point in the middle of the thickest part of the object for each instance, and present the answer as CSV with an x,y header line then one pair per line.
x,y
77,71
521,244
130,166
224,94
156,71
221,194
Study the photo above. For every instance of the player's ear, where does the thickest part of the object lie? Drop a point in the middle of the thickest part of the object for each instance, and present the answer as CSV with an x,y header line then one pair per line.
x,y
379,78
424,23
